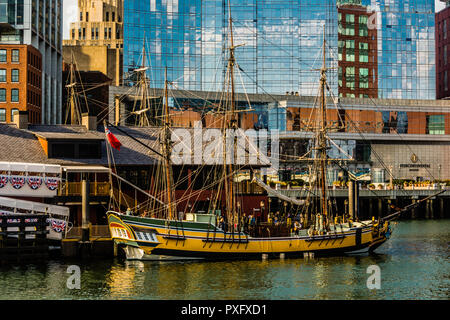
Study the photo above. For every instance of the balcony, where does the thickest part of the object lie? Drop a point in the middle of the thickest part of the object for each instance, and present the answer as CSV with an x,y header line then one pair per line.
x,y
74,189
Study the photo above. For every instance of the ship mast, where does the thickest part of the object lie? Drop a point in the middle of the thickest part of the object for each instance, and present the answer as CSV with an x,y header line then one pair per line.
x,y
75,116
230,123
167,151
322,140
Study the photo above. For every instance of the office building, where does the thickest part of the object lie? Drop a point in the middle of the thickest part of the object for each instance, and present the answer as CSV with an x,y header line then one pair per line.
x,y
443,53
281,43
37,23
96,40
358,51
20,82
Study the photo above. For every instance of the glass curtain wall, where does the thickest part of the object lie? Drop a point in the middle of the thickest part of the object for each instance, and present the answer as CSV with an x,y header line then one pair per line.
x,y
281,43
406,48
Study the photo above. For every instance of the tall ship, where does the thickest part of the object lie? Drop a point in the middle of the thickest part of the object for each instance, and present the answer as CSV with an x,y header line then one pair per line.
x,y
223,230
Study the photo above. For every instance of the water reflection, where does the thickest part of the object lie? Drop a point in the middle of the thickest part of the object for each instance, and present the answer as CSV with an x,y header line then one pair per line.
x,y
414,265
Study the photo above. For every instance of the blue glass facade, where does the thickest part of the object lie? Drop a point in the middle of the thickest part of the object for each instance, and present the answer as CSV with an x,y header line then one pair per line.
x,y
282,42
406,48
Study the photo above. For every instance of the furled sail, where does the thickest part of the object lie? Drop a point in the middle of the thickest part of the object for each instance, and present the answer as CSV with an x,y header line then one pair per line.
x,y
277,194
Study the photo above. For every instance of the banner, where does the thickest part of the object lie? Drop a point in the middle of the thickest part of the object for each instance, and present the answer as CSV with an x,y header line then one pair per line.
x,y
17,181
3,180
34,182
52,183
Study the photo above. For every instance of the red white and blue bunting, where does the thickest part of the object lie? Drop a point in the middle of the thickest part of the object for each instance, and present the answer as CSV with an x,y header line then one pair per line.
x,y
34,182
57,225
17,181
52,183
3,180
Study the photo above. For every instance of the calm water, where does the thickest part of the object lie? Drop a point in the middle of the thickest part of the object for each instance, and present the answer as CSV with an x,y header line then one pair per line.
x,y
414,265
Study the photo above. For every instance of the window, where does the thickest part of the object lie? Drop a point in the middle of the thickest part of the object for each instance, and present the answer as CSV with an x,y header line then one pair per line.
x,y
341,45
2,115
445,55
2,75
350,50
2,95
435,124
340,76
445,81
363,52
87,16
350,77
73,33
12,113
107,16
14,95
350,24
15,75
113,16
15,55
445,29
81,15
2,55
364,78
363,29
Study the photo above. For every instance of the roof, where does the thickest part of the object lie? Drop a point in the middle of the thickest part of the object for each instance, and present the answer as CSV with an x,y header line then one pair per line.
x,y
23,145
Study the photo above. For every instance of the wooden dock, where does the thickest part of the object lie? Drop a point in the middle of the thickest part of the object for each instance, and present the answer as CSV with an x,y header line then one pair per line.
x,y
23,237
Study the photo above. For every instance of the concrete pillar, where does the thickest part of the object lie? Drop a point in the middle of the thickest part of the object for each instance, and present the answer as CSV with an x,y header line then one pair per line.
x,y
441,208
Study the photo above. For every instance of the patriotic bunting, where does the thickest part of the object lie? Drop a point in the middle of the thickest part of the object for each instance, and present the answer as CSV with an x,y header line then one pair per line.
x,y
34,182
17,181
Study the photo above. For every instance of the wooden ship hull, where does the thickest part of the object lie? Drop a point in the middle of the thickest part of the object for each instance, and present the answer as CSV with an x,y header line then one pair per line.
x,y
141,236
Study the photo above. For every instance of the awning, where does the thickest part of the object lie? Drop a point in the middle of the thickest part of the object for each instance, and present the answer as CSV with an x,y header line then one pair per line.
x,y
35,207
82,169
29,167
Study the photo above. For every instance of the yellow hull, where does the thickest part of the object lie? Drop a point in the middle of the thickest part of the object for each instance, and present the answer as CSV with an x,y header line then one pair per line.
x,y
189,242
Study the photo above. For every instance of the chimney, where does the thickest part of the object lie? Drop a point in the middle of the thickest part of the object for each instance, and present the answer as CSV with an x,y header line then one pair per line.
x,y
20,119
90,122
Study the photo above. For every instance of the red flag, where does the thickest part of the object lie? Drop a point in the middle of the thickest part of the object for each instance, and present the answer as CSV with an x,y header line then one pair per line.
x,y
113,141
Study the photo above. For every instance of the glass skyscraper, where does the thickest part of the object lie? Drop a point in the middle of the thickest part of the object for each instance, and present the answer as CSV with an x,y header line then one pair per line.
x,y
282,44
406,48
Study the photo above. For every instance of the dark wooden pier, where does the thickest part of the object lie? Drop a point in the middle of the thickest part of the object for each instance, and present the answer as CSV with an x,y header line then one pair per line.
x,y
23,237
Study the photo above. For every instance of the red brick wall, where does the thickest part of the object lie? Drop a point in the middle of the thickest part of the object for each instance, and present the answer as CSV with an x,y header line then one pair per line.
x,y
441,65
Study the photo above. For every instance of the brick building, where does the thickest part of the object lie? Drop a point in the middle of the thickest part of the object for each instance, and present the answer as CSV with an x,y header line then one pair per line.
x,y
358,52
443,53
20,82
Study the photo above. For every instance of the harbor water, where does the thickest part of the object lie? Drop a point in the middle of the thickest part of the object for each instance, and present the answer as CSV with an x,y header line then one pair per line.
x,y
414,264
